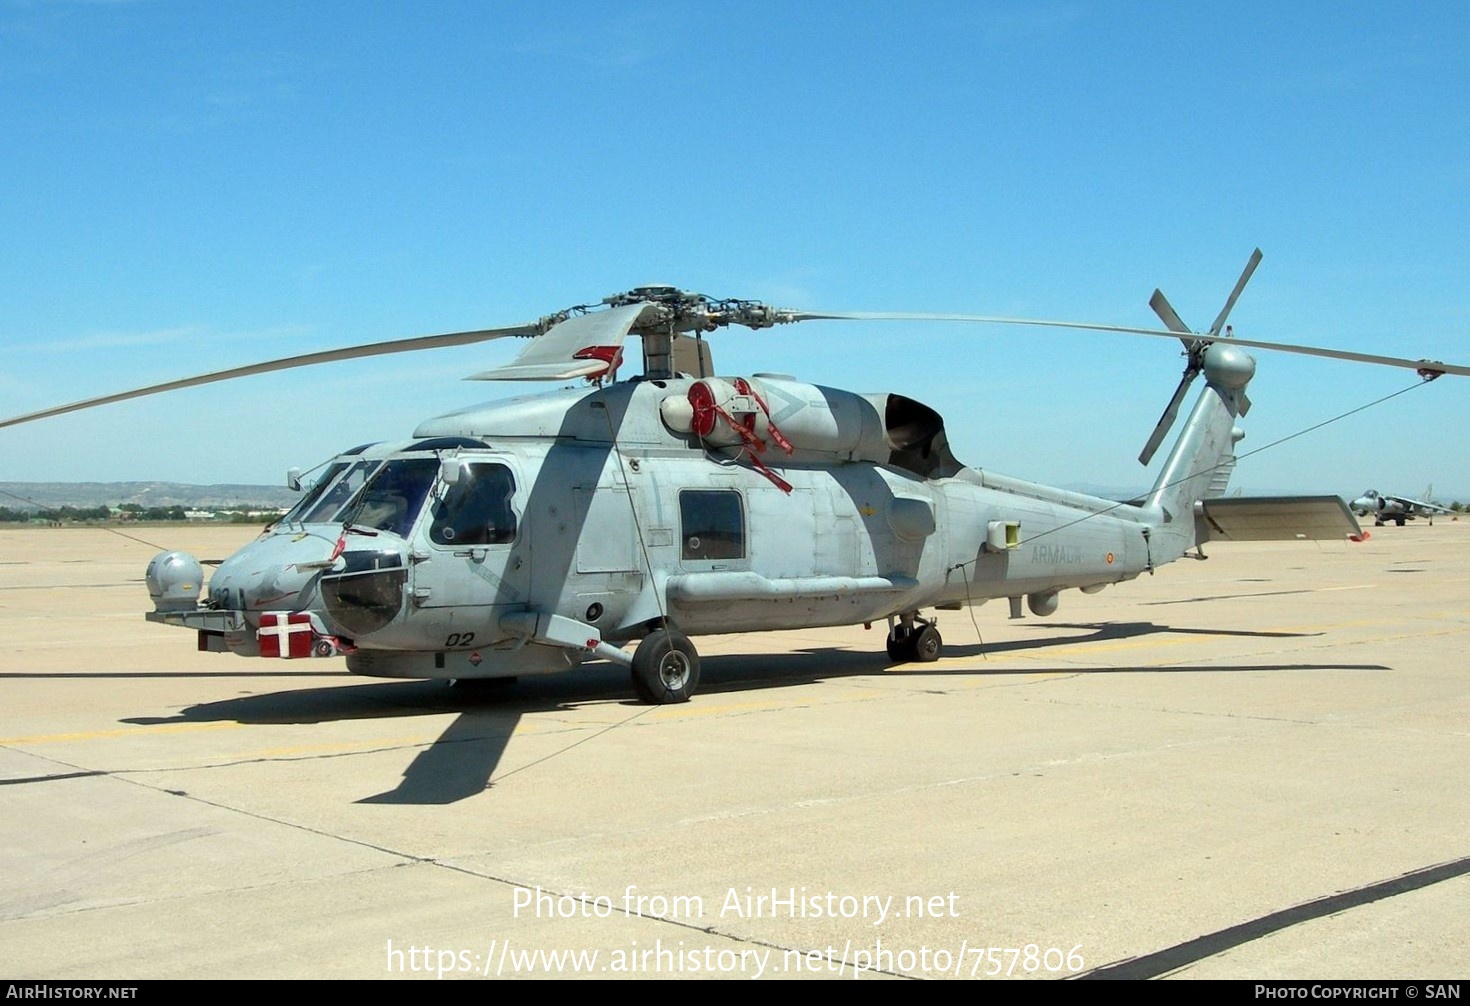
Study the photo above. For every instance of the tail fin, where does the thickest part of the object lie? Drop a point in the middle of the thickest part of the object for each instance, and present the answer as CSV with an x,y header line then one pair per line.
x,y
1203,457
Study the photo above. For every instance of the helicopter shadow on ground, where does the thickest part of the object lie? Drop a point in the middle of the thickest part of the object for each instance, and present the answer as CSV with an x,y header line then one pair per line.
x,y
1105,632
813,665
1229,597
462,762
1102,632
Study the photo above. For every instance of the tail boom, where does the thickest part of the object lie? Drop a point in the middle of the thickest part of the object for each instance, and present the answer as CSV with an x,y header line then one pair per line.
x,y
1199,465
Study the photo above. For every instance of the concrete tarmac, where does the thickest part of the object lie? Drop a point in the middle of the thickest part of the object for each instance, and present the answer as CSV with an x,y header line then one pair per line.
x,y
1252,767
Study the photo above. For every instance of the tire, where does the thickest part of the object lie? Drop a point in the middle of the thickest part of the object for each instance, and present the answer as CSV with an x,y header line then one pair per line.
x,y
901,648
927,645
1399,521
665,668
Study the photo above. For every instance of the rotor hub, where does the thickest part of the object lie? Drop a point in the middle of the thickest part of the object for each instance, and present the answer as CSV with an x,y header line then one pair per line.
x,y
672,310
1228,366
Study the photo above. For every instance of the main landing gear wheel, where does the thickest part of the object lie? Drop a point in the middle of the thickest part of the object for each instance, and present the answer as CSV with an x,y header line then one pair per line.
x,y
898,649
918,643
665,667
927,645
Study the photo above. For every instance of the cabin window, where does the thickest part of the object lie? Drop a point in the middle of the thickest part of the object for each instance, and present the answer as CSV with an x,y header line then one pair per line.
x,y
476,509
713,524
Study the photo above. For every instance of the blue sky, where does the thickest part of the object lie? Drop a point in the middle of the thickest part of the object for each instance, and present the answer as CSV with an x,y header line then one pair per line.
x,y
193,186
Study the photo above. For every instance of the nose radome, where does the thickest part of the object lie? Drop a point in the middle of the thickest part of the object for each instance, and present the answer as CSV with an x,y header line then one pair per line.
x,y
278,572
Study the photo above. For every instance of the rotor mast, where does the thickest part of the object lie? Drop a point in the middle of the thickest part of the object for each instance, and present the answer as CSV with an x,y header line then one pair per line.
x,y
670,313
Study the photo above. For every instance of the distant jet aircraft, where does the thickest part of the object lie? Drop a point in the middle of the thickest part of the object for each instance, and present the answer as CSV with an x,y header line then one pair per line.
x,y
1383,507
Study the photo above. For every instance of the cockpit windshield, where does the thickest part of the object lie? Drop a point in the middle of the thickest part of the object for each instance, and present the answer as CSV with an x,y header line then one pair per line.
x,y
313,494
394,497
326,508
389,496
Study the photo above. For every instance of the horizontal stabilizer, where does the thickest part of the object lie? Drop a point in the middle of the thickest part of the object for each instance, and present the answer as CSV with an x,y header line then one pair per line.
x,y
1275,518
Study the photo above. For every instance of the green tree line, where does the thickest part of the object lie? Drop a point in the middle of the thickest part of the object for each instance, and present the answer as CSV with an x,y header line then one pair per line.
x,y
129,512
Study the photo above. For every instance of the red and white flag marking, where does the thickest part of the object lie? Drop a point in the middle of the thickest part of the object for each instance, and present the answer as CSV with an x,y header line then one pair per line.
x,y
285,634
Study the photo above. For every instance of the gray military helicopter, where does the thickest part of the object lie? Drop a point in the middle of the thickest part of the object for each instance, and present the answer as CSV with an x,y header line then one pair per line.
x,y
527,536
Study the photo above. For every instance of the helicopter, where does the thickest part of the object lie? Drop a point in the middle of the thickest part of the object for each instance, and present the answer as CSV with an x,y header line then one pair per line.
x,y
530,535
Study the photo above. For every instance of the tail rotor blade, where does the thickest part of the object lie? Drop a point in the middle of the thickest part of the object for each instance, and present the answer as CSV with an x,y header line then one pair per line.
x,y
1166,313
1250,267
1166,421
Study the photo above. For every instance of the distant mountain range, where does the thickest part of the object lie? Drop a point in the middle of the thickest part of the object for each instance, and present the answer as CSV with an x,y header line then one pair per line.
x,y
41,495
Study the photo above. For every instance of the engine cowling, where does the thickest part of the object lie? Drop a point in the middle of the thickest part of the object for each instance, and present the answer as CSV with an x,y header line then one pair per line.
x,y
810,422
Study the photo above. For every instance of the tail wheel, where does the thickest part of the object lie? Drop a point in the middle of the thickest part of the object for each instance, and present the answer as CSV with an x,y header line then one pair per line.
x,y
665,667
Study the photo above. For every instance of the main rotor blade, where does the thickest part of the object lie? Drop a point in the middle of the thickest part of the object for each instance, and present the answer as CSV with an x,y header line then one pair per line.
x,y
1245,276
585,345
304,360
1166,421
1284,347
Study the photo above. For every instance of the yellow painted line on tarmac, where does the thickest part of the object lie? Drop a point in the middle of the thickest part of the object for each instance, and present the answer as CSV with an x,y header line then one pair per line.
x,y
299,750
92,735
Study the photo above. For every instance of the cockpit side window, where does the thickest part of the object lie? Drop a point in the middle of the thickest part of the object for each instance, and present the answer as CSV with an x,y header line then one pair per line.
x,y
476,510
